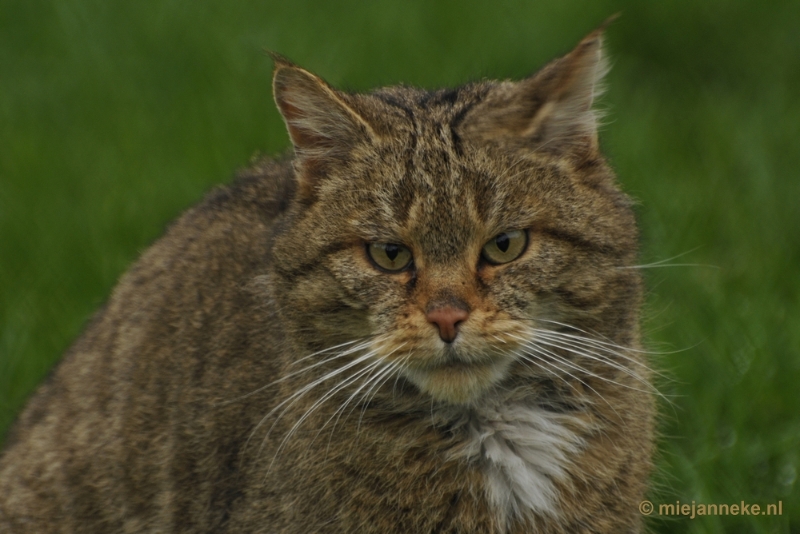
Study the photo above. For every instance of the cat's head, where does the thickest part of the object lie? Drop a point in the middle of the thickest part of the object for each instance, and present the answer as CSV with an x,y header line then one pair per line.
x,y
446,232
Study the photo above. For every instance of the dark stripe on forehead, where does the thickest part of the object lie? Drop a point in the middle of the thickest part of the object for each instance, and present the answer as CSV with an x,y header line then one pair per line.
x,y
483,190
459,116
399,104
441,98
403,193
395,102
449,96
456,121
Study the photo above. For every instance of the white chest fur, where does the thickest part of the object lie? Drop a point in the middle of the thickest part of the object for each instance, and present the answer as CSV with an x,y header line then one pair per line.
x,y
523,450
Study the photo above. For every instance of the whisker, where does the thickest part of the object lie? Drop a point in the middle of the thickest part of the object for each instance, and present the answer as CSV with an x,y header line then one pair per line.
x,y
607,342
367,397
529,356
316,405
369,380
583,370
587,343
298,394
682,254
534,346
609,348
589,347
337,414
664,263
368,370
323,351
708,265
592,356
305,369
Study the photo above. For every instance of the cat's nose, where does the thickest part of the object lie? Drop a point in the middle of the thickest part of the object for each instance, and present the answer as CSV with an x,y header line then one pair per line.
x,y
447,319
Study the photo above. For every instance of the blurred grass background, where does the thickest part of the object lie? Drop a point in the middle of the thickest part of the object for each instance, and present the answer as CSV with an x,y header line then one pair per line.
x,y
115,116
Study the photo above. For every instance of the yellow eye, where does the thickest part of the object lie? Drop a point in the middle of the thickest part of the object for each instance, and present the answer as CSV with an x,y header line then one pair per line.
x,y
505,247
389,256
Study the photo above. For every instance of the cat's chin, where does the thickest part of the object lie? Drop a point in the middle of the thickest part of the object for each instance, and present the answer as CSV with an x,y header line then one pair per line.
x,y
458,383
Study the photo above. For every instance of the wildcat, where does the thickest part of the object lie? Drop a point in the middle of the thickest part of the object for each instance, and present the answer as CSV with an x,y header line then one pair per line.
x,y
423,321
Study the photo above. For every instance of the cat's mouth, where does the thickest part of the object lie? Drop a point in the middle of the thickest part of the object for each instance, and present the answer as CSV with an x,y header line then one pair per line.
x,y
458,379
453,358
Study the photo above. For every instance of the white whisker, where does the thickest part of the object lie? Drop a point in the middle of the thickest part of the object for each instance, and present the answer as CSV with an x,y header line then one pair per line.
x,y
319,402
593,345
369,370
379,381
605,342
305,369
346,343
542,340
540,351
708,265
298,394
664,263
369,379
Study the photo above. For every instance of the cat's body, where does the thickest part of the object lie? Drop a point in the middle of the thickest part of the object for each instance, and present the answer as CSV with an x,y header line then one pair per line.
x,y
425,322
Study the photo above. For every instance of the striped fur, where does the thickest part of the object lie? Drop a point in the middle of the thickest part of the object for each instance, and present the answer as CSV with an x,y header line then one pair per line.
x,y
256,371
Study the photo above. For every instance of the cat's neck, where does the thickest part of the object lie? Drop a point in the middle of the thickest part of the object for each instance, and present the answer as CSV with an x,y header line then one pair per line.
x,y
523,450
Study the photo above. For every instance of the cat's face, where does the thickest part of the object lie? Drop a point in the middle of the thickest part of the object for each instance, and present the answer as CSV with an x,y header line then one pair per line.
x,y
446,245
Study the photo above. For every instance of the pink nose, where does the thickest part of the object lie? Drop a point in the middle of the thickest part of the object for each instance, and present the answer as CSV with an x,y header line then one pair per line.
x,y
447,318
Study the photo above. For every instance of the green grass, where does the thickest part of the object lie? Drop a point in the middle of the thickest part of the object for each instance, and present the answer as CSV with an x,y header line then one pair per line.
x,y
116,116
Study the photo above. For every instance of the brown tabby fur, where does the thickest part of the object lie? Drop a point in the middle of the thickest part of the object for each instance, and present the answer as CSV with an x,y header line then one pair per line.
x,y
174,411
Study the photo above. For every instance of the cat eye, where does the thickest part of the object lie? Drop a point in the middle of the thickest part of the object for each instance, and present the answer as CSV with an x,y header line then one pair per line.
x,y
505,247
389,256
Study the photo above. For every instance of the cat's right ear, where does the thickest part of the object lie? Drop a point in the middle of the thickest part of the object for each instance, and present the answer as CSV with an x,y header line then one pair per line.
x,y
322,125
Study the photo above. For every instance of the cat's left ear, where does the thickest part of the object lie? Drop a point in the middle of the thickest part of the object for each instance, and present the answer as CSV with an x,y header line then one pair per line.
x,y
549,111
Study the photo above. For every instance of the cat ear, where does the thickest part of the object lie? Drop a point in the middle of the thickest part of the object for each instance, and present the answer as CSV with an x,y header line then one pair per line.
x,y
551,110
319,120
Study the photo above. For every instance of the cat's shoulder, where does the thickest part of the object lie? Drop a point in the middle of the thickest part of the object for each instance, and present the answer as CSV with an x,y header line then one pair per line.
x,y
215,248
232,219
265,187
